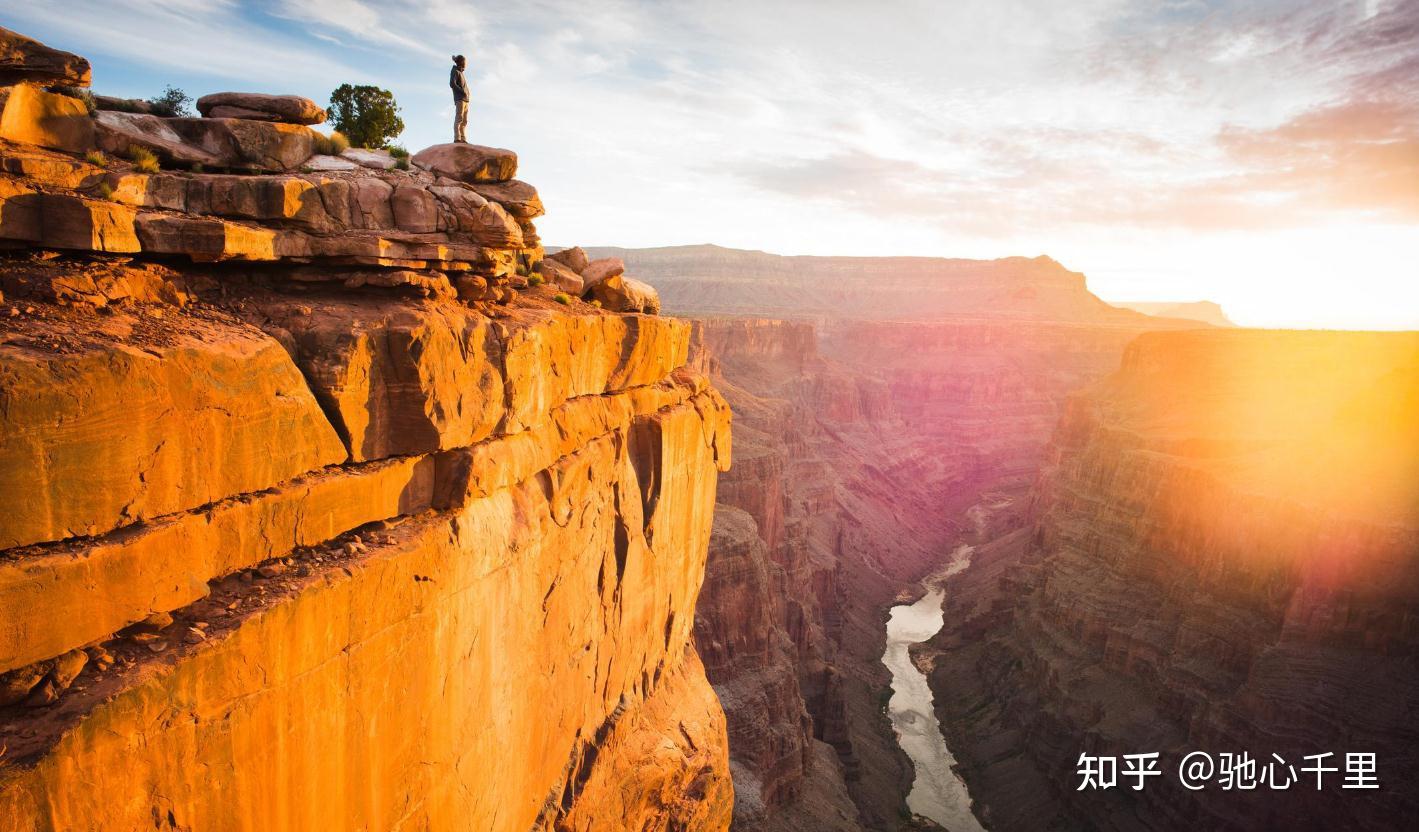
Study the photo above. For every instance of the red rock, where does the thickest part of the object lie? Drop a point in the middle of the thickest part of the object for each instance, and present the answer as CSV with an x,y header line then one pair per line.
x,y
33,116
149,411
562,277
126,105
288,109
24,59
519,198
250,145
624,294
573,258
116,132
468,162
599,270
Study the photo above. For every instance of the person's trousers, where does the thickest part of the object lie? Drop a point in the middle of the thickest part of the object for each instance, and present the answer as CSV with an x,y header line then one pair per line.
x,y
460,120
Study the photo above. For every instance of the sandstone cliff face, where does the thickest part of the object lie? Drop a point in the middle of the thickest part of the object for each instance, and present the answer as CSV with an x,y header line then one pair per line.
x,y
1222,558
363,530
809,744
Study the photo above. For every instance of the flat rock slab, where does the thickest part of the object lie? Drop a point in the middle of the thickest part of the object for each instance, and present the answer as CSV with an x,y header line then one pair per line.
x,y
250,145
289,109
376,159
468,162
26,59
121,428
117,131
320,162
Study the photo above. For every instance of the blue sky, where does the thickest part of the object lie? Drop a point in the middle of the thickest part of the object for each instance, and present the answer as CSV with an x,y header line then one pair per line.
x,y
1262,154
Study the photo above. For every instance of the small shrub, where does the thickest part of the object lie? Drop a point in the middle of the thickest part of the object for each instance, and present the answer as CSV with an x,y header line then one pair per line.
x,y
94,157
172,103
307,169
398,151
143,159
535,280
563,298
402,163
105,191
596,303
331,145
197,167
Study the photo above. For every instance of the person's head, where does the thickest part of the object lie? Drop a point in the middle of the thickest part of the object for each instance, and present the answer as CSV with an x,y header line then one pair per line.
x,y
459,62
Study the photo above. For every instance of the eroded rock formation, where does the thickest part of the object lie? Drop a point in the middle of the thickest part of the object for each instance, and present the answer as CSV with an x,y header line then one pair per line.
x,y
857,468
318,512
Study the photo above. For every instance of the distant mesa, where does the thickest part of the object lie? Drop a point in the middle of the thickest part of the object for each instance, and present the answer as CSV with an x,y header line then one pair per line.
x,y
713,280
1204,311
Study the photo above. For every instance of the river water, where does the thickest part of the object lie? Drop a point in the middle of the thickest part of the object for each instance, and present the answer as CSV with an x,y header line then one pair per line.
x,y
937,793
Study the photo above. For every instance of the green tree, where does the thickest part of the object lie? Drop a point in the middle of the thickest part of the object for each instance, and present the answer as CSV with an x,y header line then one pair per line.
x,y
366,115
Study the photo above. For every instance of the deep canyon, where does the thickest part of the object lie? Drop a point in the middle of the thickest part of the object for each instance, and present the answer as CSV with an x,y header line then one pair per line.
x,y
1082,620
332,500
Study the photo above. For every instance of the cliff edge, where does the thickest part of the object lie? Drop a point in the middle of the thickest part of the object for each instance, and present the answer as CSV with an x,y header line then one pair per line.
x,y
324,504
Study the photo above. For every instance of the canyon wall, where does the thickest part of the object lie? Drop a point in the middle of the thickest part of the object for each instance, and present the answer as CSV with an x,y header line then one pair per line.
x,y
857,468
1221,555
320,511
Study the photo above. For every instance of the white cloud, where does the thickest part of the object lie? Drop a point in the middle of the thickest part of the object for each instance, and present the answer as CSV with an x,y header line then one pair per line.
x,y
1102,131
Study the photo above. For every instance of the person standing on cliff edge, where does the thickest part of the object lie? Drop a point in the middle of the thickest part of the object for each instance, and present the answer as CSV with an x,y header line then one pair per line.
x,y
459,84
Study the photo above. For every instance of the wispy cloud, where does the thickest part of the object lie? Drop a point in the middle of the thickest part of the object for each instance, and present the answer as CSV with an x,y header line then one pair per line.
x,y
1113,132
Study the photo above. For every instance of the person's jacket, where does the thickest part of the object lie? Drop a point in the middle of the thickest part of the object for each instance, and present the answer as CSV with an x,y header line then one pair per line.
x,y
458,84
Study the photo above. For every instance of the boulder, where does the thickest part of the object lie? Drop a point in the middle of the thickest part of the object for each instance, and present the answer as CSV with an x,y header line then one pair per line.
x,y
376,159
468,162
519,198
619,293
122,105
117,131
248,145
288,109
573,258
26,59
33,116
562,277
598,270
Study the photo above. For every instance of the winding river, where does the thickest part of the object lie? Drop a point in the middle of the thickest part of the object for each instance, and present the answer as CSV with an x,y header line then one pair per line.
x,y
937,793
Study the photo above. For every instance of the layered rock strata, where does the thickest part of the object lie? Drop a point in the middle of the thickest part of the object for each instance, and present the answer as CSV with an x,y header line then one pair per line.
x,y
1222,556
318,513
865,452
